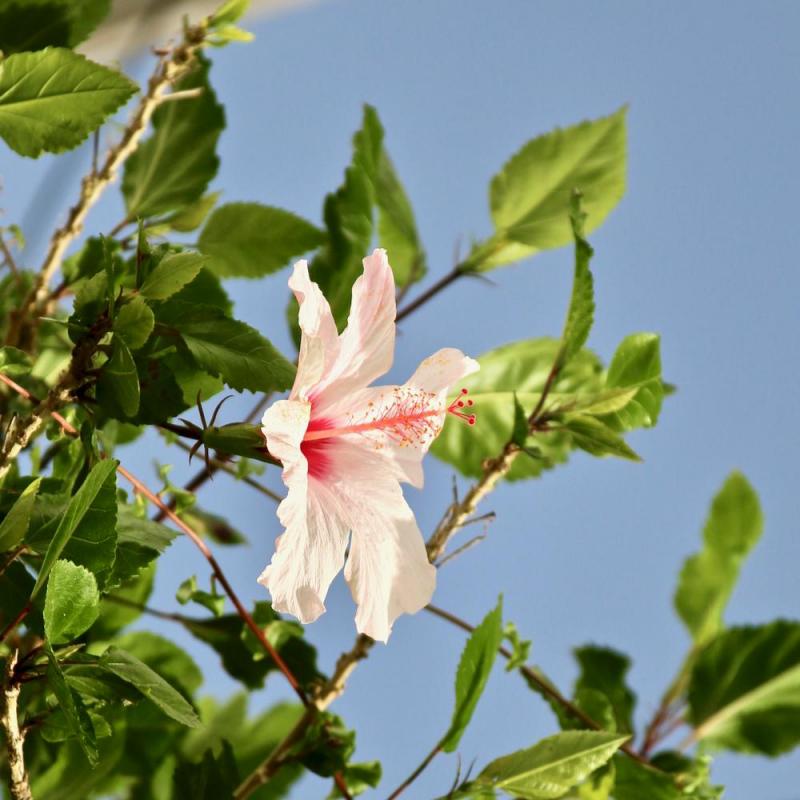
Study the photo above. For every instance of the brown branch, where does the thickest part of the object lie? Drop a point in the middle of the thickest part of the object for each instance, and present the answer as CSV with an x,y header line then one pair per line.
x,y
23,429
12,557
170,67
431,292
417,772
15,739
4,634
9,260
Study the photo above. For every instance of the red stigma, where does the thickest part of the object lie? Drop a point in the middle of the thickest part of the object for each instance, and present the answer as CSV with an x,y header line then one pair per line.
x,y
457,404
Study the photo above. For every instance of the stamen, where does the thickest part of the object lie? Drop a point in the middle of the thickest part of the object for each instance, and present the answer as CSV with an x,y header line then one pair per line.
x,y
410,416
458,403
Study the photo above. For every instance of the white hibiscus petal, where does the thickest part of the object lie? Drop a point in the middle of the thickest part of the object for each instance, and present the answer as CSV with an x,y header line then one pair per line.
x,y
439,372
387,570
367,343
319,343
309,554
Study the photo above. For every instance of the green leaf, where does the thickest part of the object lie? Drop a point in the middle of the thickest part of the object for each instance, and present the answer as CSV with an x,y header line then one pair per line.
x,y
229,12
114,616
134,323
521,368
213,778
693,775
171,169
14,362
249,240
553,766
635,781
595,437
229,637
72,602
212,526
358,778
189,218
744,693
189,592
397,229
166,658
520,648
118,389
604,670
16,585
530,196
581,305
36,24
327,745
72,706
101,475
139,542
172,273
637,364
733,527
228,348
349,221
14,525
250,738
476,663
53,99
150,684
521,429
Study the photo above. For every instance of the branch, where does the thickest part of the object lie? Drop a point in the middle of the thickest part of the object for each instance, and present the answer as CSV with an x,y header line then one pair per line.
x,y
437,287
18,776
23,429
417,772
9,260
169,68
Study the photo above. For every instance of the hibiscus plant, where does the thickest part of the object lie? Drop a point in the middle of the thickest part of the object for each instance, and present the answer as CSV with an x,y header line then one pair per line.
x,y
128,338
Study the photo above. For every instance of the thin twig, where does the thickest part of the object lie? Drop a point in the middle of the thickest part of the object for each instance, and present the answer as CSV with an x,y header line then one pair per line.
x,y
431,292
153,612
15,739
417,772
12,557
468,545
9,260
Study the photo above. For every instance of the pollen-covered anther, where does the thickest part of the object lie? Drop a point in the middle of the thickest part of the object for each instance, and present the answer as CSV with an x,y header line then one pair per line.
x,y
459,403
408,416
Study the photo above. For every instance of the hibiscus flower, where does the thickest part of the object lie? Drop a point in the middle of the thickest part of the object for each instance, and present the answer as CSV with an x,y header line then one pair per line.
x,y
345,446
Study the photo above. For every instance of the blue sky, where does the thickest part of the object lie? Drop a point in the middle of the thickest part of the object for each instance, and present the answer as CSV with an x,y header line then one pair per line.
x,y
701,250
